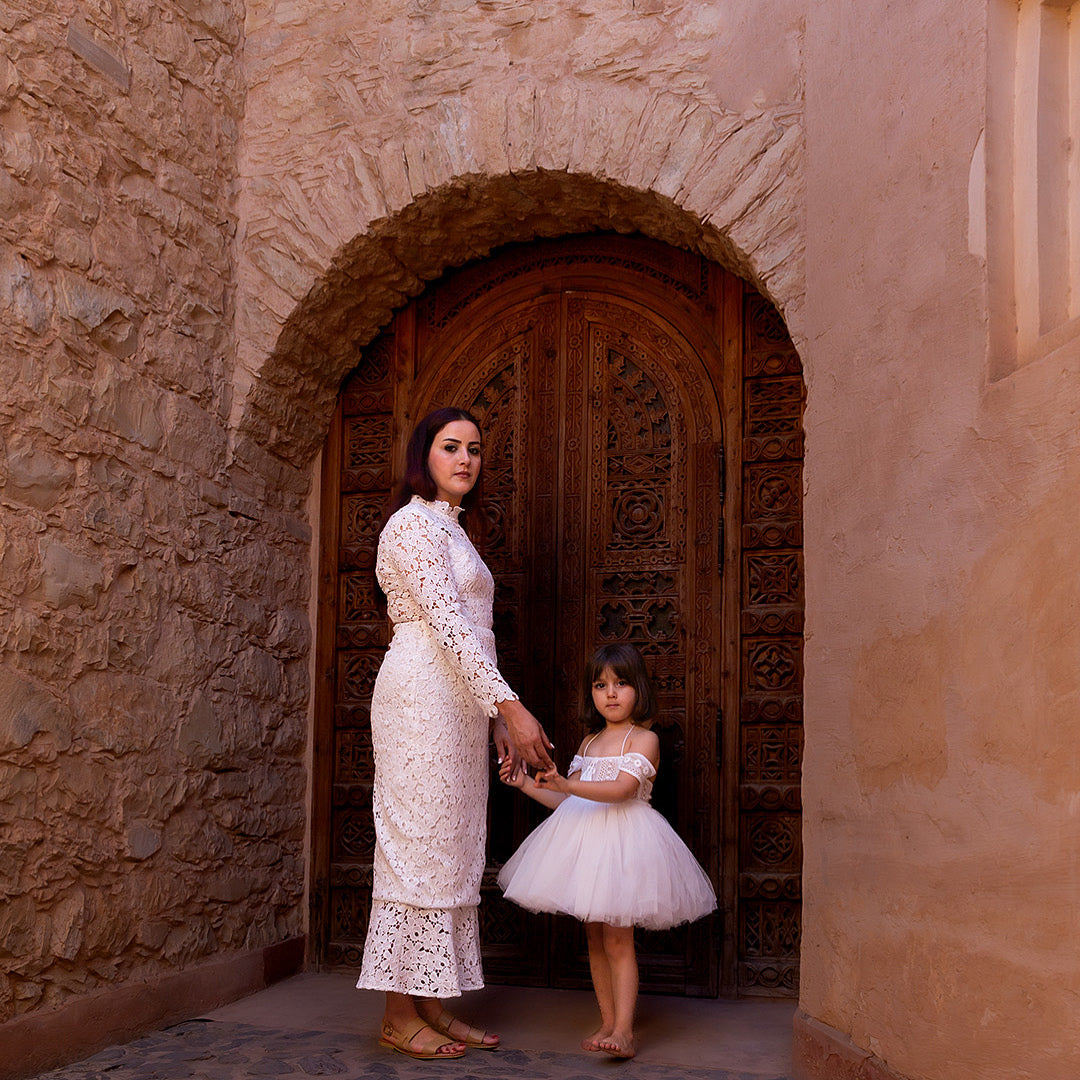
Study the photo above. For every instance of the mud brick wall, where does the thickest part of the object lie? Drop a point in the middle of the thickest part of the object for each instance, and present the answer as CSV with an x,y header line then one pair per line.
x,y
153,590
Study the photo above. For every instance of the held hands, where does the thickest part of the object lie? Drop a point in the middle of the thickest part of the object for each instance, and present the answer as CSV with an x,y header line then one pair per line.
x,y
547,788
511,775
552,781
530,743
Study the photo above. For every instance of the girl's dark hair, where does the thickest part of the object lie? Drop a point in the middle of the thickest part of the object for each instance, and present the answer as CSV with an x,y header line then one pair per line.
x,y
627,663
418,480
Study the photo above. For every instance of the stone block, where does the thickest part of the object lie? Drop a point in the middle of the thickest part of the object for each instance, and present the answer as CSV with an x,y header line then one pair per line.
x,y
27,709
199,734
24,294
128,408
142,840
36,476
67,578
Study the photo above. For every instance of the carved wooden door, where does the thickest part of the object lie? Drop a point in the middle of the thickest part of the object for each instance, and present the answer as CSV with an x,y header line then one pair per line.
x,y
605,374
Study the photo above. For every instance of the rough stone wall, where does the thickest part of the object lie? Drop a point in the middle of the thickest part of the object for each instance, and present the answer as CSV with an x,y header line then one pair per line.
x,y
153,625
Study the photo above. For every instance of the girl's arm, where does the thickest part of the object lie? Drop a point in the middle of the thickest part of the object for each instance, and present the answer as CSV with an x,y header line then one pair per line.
x,y
523,782
624,787
609,791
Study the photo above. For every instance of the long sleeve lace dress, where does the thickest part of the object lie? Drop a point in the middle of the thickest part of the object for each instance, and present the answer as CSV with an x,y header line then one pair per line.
x,y
430,717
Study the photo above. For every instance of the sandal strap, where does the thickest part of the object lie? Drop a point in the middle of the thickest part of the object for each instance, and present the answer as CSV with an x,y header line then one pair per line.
x,y
472,1034
407,1033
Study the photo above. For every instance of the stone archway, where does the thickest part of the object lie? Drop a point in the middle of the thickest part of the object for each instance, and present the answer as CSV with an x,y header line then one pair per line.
x,y
284,407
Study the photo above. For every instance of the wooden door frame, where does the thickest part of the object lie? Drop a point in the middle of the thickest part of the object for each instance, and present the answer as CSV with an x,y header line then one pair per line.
x,y
722,336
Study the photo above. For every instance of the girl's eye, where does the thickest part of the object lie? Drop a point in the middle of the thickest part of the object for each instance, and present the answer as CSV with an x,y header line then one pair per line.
x,y
474,451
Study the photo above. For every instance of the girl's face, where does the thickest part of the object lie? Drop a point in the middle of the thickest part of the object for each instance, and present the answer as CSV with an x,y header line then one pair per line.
x,y
454,461
613,697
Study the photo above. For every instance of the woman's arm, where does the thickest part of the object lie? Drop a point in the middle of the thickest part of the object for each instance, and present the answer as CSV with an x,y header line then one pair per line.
x,y
415,552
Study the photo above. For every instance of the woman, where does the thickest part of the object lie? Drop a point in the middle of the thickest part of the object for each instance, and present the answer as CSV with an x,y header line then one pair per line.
x,y
437,696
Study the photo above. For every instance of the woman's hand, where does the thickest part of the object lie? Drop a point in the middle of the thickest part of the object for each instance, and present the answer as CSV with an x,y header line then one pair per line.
x,y
530,742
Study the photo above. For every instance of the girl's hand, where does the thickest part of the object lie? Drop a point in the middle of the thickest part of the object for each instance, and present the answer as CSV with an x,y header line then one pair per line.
x,y
552,781
504,748
510,774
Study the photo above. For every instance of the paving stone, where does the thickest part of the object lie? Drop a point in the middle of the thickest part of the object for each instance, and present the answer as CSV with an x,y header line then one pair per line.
x,y
208,1050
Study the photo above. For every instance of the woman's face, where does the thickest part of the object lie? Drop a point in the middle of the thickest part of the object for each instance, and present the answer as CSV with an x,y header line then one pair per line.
x,y
454,461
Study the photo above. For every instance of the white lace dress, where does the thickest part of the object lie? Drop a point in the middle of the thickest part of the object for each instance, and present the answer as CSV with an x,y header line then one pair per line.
x,y
618,863
430,719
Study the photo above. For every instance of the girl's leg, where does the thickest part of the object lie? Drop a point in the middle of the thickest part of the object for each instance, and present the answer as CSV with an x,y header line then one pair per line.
x,y
600,970
618,944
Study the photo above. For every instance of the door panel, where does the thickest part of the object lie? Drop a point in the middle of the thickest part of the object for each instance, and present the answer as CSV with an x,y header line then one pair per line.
x,y
606,374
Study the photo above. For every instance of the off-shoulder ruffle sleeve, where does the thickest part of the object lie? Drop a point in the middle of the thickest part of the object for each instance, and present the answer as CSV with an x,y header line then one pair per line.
x,y
414,560
637,765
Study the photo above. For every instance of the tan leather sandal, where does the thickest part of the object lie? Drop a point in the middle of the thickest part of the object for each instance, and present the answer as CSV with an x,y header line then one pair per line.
x,y
473,1038
402,1039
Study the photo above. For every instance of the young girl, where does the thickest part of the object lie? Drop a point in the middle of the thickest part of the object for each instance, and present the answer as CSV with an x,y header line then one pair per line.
x,y
606,856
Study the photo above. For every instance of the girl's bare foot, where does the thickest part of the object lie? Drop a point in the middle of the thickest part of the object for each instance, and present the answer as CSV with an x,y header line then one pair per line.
x,y
592,1042
618,1044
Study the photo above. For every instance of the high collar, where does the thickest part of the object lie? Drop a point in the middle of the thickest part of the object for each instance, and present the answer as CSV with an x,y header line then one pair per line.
x,y
444,508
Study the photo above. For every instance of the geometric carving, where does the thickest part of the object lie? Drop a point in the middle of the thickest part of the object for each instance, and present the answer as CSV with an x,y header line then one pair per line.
x,y
771,626
773,493
770,886
769,622
652,624
770,841
354,762
770,929
772,534
361,515
771,754
773,407
349,915
356,674
367,443
358,598
773,578
780,709
772,665
777,978
637,515
354,833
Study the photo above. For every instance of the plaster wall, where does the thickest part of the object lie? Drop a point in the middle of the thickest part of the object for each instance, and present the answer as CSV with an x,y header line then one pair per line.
x,y
942,773
153,623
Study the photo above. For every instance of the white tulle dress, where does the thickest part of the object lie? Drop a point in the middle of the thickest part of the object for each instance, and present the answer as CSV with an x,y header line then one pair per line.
x,y
618,863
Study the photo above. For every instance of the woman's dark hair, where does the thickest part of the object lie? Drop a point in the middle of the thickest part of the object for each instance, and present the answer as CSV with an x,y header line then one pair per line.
x,y
418,480
627,663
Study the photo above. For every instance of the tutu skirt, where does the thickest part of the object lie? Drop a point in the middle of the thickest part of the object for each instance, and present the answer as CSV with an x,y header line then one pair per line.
x,y
618,863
